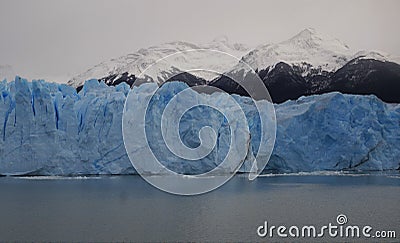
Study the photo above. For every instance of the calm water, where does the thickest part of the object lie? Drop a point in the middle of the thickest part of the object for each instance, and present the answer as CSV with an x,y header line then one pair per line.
x,y
126,208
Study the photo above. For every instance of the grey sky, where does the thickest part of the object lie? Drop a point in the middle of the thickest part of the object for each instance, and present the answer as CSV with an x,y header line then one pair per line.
x,y
58,39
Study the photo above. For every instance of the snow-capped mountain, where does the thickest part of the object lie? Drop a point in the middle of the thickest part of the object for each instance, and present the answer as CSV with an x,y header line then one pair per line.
x,y
308,50
134,64
315,63
368,74
375,55
308,63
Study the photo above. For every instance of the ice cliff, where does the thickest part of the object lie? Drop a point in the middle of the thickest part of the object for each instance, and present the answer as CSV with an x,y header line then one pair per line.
x,y
49,129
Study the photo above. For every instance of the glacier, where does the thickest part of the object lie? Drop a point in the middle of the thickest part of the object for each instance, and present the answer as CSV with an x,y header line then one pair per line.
x,y
50,129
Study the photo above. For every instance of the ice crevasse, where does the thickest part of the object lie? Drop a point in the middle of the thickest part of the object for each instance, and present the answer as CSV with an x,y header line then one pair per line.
x,y
49,129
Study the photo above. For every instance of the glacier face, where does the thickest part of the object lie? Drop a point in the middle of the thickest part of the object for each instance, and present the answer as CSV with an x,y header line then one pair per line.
x,y
49,129
336,132
176,111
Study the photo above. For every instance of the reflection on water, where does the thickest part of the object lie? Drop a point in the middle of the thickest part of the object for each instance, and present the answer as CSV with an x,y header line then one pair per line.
x,y
126,208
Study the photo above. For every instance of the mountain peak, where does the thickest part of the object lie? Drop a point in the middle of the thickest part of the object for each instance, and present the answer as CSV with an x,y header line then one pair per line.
x,y
221,39
223,43
311,36
307,32
308,47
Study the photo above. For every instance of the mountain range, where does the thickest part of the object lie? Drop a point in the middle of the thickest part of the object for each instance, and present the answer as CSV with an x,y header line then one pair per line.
x,y
308,63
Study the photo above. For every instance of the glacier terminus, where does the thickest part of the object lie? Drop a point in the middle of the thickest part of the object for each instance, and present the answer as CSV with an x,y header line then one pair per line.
x,y
50,129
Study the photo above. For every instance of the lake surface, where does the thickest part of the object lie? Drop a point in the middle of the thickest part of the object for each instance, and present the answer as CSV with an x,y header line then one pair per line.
x,y
126,208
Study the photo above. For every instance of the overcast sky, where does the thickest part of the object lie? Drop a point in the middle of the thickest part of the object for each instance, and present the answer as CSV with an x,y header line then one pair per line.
x,y
59,39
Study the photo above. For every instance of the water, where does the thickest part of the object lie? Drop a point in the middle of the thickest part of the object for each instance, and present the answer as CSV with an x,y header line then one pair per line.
x,y
126,208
